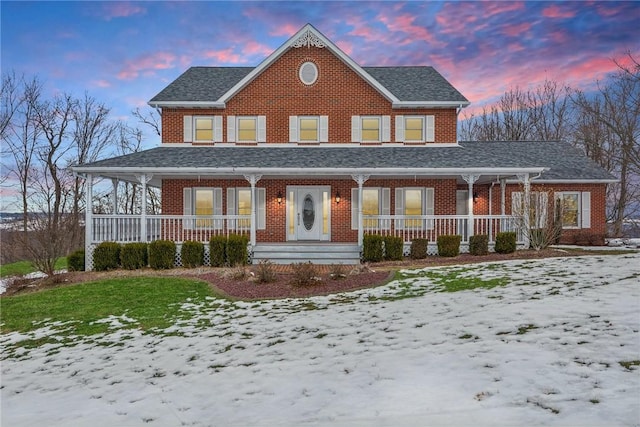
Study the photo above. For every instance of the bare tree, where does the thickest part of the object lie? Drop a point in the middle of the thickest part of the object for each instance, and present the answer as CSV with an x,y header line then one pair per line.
x,y
151,119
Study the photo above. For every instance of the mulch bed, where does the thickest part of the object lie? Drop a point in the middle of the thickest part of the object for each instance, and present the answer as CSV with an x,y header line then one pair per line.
x,y
245,289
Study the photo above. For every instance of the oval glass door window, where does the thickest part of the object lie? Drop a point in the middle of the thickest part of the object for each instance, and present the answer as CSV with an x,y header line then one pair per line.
x,y
308,212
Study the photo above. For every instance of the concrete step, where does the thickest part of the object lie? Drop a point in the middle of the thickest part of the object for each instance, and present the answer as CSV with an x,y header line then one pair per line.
x,y
321,253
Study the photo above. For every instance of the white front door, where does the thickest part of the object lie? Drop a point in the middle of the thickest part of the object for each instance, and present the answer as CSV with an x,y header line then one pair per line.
x,y
308,213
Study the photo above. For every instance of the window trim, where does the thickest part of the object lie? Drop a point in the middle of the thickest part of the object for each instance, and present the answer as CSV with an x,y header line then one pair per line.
x,y
316,119
559,196
384,206
428,204
422,130
190,128
322,129
362,119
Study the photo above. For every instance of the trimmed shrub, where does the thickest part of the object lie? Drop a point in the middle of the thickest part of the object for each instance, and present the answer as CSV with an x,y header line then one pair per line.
x,y
372,248
162,254
479,244
506,242
419,248
393,248
192,254
304,274
449,245
106,256
218,251
237,249
75,260
134,256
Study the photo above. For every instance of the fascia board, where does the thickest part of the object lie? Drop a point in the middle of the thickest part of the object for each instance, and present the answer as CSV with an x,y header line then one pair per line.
x,y
430,104
288,44
577,181
187,104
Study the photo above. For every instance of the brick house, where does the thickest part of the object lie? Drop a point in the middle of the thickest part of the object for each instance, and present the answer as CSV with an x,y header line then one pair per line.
x,y
308,152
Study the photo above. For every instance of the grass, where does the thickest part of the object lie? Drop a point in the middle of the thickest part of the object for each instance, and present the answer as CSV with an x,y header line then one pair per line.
x,y
148,303
20,268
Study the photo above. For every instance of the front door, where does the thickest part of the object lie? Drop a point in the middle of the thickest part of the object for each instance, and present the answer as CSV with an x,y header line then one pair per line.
x,y
308,213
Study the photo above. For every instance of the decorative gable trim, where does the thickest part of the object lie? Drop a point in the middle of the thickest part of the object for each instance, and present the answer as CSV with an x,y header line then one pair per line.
x,y
308,36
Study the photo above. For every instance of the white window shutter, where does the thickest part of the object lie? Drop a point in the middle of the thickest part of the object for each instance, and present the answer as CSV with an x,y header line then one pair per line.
x,y
324,129
543,209
430,128
217,129
586,209
293,128
399,128
261,208
231,207
187,128
516,203
355,129
386,128
399,207
262,129
187,206
354,208
386,208
429,206
231,128
217,207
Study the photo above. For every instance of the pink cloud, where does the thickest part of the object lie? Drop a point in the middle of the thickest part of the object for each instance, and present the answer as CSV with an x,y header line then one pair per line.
x,y
404,23
147,63
285,30
555,11
255,48
101,83
516,30
224,56
496,8
120,9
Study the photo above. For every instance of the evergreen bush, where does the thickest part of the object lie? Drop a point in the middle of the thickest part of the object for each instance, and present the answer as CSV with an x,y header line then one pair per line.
x,y
134,256
106,256
218,251
505,242
449,245
419,248
393,248
237,249
192,254
372,248
162,254
75,260
479,244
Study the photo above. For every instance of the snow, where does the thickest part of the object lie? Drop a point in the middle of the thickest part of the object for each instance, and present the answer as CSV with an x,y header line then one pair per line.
x,y
543,350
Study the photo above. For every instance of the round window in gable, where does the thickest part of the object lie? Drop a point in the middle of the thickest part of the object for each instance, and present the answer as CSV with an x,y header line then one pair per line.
x,y
308,73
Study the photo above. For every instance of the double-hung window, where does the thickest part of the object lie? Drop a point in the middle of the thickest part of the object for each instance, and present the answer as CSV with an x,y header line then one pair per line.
x,y
202,128
415,129
538,207
206,204
412,204
574,209
370,128
375,202
309,129
239,203
246,128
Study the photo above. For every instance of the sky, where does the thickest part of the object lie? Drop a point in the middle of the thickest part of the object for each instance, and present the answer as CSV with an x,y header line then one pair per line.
x,y
548,348
123,53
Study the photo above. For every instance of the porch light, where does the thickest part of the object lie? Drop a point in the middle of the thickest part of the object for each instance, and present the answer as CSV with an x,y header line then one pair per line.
x,y
338,197
279,197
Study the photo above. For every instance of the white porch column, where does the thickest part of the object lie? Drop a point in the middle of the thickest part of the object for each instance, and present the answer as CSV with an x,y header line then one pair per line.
x,y
143,179
114,196
360,179
88,222
253,180
503,192
526,207
470,179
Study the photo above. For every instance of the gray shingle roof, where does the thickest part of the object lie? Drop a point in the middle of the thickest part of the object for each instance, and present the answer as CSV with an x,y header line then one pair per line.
x,y
565,162
208,84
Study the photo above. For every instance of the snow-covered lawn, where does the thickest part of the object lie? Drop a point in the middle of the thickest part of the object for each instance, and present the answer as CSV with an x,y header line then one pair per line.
x,y
546,349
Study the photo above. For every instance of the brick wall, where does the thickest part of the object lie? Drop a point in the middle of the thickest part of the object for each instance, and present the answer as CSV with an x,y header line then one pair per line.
x,y
338,93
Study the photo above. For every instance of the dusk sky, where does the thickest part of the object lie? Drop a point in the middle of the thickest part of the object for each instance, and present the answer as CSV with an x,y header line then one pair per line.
x,y
123,53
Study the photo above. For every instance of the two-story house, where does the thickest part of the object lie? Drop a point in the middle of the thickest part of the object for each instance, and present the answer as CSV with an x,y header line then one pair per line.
x,y
308,151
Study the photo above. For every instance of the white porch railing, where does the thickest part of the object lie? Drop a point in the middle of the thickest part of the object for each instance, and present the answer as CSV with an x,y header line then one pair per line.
x,y
179,228
431,226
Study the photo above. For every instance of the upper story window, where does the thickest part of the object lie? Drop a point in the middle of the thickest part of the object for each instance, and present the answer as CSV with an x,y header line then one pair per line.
x,y
415,128
309,128
370,128
202,128
246,128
